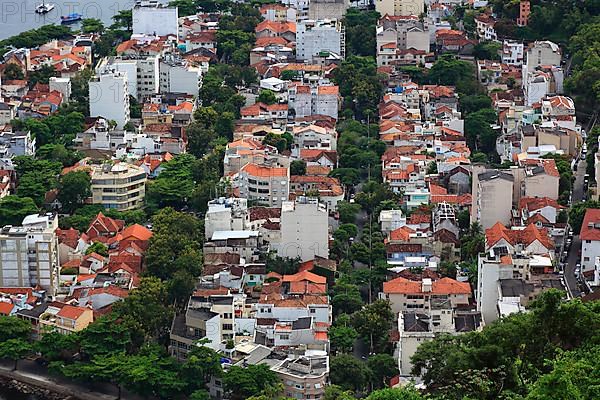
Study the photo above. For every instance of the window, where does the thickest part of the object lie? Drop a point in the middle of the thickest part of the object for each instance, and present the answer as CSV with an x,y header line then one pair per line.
x,y
586,259
312,311
227,327
284,337
588,241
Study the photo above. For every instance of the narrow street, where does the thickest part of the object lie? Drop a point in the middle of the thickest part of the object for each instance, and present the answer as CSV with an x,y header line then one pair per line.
x,y
573,258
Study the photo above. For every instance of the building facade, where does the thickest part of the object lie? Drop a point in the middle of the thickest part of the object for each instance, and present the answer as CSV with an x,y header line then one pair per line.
x,y
120,186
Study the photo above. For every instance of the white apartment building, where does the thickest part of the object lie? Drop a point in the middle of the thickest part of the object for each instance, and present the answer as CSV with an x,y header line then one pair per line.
x,y
109,97
400,7
264,185
403,33
327,9
316,36
313,137
512,52
176,76
120,186
320,100
142,74
29,253
150,17
62,85
226,214
492,198
304,229
542,53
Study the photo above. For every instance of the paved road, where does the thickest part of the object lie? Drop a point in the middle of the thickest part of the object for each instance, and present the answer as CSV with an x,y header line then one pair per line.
x,y
573,259
96,391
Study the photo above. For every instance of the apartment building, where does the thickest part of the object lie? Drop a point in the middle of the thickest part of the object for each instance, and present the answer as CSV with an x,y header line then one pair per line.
x,y
109,97
142,73
29,254
16,143
304,229
264,184
590,239
120,186
492,198
179,76
150,17
304,376
316,36
226,214
400,7
327,9
307,100
403,33
194,325
512,53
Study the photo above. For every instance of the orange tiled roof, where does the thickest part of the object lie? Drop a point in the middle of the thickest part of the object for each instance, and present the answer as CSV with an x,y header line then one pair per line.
x,y
524,236
263,171
444,286
6,308
71,312
305,276
592,216
401,234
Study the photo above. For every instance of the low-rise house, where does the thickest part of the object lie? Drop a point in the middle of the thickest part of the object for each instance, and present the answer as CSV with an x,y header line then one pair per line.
x,y
65,318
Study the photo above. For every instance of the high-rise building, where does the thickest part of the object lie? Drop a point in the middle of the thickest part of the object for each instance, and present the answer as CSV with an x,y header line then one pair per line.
x,y
29,253
109,97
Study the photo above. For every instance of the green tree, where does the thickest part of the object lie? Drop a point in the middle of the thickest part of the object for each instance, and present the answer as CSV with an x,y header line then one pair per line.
x,y
92,25
124,19
348,212
404,393
345,298
242,382
266,96
383,367
73,189
373,323
15,349
13,72
54,346
342,338
487,50
201,364
175,244
99,248
348,372
106,335
13,328
146,310
14,209
298,167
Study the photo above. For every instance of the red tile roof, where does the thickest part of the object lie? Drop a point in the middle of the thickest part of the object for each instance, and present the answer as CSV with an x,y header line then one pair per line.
x,y
444,286
6,308
71,312
588,227
515,236
304,276
263,171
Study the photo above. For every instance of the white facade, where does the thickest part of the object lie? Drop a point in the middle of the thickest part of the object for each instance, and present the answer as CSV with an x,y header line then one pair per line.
x,y
29,254
178,77
543,53
492,198
226,215
150,18
109,97
313,37
391,220
62,85
304,230
512,53
400,7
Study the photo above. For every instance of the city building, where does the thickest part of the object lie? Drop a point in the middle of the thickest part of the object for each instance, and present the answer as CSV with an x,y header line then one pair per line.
x,y
304,376
316,36
150,17
264,185
327,9
400,7
109,97
304,229
492,198
178,76
29,254
118,185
